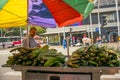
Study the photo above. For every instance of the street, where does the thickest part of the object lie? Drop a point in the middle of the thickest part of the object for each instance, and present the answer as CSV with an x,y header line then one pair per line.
x,y
9,74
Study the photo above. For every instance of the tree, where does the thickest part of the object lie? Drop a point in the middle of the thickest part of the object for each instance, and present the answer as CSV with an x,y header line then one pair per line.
x,y
40,30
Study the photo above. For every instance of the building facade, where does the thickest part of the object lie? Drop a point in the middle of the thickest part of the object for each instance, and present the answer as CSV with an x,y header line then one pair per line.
x,y
108,26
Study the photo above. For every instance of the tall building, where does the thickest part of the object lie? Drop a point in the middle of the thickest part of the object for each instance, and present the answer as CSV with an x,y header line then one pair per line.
x,y
108,25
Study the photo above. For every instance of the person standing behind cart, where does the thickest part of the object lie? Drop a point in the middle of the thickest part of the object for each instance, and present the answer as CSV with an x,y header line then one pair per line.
x,y
29,40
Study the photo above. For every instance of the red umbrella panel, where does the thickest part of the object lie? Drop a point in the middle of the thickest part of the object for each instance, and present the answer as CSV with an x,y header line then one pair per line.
x,y
84,7
62,13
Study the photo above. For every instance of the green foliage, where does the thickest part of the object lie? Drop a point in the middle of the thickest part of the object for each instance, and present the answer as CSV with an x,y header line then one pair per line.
x,y
40,30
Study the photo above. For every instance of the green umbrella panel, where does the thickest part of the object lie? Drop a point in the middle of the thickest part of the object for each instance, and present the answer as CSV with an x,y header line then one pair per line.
x,y
2,3
84,7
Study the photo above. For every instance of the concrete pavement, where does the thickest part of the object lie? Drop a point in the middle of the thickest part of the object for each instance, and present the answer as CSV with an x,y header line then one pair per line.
x,y
5,72
9,74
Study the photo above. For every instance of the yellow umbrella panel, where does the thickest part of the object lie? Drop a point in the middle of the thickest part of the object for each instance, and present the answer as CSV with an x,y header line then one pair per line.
x,y
14,13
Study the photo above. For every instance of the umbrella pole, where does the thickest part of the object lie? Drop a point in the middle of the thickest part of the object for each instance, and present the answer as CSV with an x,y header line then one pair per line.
x,y
27,35
67,46
67,40
64,33
27,23
67,56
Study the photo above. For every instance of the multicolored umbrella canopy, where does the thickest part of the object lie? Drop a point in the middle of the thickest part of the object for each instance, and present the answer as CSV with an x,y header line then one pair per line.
x,y
53,13
13,13
2,3
84,7
45,13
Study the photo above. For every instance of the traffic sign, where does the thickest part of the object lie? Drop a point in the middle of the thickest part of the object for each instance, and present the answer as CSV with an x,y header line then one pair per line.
x,y
97,29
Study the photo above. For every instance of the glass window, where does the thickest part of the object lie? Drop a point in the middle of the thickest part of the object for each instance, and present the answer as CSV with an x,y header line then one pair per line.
x,y
111,17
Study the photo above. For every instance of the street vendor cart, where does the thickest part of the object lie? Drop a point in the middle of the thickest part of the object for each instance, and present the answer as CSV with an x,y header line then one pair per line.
x,y
87,63
59,73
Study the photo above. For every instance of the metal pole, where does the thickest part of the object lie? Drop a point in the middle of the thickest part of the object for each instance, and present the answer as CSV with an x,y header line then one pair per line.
x,y
21,34
99,18
59,38
71,41
88,31
91,27
28,27
118,24
95,1
1,32
67,40
63,32
59,35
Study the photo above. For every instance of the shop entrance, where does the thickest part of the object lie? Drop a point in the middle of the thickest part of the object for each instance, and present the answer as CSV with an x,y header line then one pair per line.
x,y
113,37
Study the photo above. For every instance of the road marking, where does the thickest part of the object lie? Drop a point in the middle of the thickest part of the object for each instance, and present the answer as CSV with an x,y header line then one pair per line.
x,y
4,52
12,73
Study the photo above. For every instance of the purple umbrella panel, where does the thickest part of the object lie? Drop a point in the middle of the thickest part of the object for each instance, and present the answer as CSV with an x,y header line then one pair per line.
x,y
39,15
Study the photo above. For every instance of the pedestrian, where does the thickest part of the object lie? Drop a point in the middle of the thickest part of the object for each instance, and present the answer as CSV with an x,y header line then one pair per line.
x,y
29,40
3,45
97,40
64,43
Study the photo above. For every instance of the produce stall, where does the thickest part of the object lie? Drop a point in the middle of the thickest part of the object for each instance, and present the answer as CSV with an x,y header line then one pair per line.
x,y
59,73
86,63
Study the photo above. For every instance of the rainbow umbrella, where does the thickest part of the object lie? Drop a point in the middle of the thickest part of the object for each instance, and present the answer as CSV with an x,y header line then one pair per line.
x,y
44,13
52,13
2,3
84,7
13,13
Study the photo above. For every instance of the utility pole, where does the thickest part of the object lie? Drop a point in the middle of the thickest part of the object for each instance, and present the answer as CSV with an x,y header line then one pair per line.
x,y
118,24
88,31
91,27
99,18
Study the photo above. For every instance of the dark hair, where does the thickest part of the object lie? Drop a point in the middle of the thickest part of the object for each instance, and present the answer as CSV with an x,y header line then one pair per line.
x,y
32,28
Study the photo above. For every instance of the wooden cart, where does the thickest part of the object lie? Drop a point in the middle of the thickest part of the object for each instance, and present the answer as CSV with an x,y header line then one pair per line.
x,y
65,73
